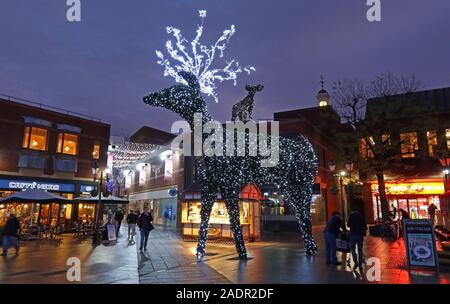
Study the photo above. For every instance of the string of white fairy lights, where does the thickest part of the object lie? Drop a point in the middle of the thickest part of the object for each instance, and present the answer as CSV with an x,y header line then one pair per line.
x,y
128,153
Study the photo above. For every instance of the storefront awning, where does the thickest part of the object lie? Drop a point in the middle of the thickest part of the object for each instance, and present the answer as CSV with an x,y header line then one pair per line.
x,y
34,196
105,200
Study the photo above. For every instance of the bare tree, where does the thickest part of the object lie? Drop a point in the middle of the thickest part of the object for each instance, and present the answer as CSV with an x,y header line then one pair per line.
x,y
350,99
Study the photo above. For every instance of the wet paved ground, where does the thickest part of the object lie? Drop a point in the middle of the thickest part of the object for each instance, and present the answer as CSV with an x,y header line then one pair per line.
x,y
42,262
170,260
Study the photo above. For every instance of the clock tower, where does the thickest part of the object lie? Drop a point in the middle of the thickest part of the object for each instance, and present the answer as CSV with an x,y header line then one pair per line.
x,y
323,98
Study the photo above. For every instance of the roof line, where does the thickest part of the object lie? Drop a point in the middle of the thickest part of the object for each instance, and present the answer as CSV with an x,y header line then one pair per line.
x,y
47,107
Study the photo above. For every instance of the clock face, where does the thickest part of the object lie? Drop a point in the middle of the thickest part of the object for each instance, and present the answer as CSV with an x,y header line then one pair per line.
x,y
323,103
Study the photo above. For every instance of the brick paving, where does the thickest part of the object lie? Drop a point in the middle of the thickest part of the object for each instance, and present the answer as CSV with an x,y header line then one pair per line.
x,y
170,260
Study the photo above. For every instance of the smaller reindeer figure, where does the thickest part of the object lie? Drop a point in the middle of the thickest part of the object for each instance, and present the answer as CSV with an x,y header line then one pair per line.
x,y
243,110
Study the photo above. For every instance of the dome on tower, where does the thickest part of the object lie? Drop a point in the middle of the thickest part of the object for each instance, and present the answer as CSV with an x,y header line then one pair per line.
x,y
323,98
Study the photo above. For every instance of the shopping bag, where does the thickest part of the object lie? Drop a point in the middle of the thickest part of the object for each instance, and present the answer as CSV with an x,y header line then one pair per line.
x,y
343,243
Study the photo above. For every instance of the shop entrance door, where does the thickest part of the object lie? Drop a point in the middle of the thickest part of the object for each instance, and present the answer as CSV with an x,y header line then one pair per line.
x,y
413,208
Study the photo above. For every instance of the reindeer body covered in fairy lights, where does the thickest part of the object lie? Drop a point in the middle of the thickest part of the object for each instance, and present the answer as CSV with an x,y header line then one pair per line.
x,y
294,172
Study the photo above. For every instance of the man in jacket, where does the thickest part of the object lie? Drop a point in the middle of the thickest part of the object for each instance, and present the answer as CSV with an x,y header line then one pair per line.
x,y
358,229
10,234
132,219
334,227
118,217
145,226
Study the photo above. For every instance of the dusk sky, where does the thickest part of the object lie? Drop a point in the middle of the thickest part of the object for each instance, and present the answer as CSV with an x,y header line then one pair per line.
x,y
104,65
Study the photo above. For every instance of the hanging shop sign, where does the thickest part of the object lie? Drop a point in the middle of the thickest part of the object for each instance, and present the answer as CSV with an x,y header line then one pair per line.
x,y
25,184
87,188
173,192
420,244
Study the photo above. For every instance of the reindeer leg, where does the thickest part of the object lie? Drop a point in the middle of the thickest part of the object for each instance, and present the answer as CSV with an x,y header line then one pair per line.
x,y
301,203
208,199
232,203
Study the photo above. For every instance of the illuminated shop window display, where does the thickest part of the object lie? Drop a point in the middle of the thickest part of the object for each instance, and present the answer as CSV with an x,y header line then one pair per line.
x,y
414,197
21,211
86,213
220,220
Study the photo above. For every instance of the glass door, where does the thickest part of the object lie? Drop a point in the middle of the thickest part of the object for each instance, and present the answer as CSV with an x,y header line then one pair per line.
x,y
422,207
413,208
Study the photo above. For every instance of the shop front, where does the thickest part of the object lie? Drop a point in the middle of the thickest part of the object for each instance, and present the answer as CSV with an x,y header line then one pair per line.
x,y
48,214
413,196
162,203
219,222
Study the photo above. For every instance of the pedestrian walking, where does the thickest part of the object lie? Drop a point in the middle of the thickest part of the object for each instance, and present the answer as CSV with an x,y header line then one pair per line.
x,y
118,217
331,232
145,225
432,212
405,216
358,229
10,234
132,219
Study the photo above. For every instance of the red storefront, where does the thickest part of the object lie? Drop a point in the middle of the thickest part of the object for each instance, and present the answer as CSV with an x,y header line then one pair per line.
x,y
412,195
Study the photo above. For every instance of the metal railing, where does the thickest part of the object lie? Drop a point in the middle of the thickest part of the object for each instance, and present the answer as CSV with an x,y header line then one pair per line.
x,y
47,107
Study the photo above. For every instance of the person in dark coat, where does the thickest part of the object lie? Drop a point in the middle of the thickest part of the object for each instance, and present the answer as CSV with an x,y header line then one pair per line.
x,y
10,234
118,217
145,226
132,219
332,230
358,229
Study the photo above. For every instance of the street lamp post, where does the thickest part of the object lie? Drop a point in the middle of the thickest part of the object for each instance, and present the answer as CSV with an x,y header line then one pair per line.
x,y
95,170
332,168
343,202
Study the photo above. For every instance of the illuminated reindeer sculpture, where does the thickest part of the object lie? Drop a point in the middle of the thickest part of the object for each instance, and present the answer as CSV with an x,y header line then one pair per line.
x,y
294,173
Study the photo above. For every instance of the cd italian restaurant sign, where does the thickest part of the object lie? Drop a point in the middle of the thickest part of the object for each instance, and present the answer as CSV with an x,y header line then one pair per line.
x,y
421,244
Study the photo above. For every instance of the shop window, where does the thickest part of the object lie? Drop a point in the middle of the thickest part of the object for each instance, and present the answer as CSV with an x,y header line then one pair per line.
x,y
35,138
96,151
432,143
168,168
128,180
447,134
86,213
409,144
67,143
143,174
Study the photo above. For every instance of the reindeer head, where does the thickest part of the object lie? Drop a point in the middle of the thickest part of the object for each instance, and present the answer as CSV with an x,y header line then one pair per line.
x,y
253,89
183,99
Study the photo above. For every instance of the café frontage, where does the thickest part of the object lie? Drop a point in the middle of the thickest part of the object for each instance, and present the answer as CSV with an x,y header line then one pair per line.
x,y
50,214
